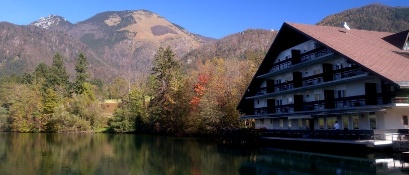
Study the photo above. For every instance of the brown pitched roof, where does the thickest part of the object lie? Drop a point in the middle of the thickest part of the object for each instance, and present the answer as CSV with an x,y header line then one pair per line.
x,y
369,48
379,52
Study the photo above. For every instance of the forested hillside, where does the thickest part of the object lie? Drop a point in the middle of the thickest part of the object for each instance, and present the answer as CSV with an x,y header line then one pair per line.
x,y
375,17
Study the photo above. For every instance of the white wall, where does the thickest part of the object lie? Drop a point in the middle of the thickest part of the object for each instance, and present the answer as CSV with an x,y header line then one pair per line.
x,y
393,118
303,47
259,103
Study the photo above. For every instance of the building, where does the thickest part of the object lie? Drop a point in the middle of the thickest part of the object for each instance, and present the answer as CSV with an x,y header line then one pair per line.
x,y
313,76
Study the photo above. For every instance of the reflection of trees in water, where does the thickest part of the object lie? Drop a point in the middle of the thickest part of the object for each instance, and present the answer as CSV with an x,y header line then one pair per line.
x,y
51,153
112,154
173,155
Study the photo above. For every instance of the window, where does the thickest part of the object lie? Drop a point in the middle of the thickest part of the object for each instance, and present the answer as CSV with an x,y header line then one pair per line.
x,y
290,100
355,121
258,101
321,123
331,122
345,122
316,71
289,123
262,121
339,66
300,123
316,45
271,121
307,124
405,120
372,120
317,97
281,123
341,93
288,78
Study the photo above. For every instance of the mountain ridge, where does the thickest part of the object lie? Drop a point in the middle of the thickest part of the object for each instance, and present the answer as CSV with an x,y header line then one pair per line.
x,y
123,43
374,17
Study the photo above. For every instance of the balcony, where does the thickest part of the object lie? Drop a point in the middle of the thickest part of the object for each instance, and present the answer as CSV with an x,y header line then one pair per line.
x,y
262,91
315,81
307,57
340,104
400,100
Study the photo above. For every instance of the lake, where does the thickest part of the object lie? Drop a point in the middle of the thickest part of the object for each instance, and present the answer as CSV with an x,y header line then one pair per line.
x,y
49,154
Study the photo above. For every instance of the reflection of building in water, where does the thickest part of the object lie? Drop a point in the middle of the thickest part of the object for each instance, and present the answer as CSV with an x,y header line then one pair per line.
x,y
277,161
391,166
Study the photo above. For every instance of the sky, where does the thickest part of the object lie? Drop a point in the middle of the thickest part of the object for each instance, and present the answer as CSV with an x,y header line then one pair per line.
x,y
211,18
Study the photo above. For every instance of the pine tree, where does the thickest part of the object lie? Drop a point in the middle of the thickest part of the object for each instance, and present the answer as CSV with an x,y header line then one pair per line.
x,y
164,108
81,74
58,76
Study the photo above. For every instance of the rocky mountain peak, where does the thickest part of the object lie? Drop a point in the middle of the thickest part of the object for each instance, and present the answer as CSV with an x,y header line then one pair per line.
x,y
51,21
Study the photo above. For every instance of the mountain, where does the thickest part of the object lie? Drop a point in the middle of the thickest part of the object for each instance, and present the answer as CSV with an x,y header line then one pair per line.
x,y
375,17
53,22
128,40
22,48
239,45
123,43
116,43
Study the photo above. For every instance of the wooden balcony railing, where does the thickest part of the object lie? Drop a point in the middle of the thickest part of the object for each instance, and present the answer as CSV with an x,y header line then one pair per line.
x,y
316,79
307,56
400,100
339,103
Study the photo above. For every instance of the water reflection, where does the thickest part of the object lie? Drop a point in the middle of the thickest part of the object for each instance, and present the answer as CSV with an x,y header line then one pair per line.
x,y
113,154
143,154
278,161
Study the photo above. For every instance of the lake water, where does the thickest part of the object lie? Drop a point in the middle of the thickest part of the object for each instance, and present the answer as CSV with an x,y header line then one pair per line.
x,y
49,154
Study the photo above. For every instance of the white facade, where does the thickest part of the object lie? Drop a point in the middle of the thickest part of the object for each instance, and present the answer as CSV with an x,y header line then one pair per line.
x,y
350,115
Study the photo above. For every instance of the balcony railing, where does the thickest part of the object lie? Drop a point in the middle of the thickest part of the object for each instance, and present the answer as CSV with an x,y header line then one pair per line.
x,y
400,100
319,134
262,91
316,106
339,74
307,56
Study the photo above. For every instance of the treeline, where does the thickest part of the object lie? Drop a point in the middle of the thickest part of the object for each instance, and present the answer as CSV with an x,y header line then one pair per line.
x,y
173,99
46,101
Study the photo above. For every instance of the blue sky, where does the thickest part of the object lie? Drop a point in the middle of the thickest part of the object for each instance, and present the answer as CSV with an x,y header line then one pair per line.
x,y
212,18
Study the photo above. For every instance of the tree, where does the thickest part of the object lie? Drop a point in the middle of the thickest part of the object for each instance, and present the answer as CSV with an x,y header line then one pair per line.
x,y
58,77
51,101
118,88
24,104
41,73
165,108
87,107
4,119
81,74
